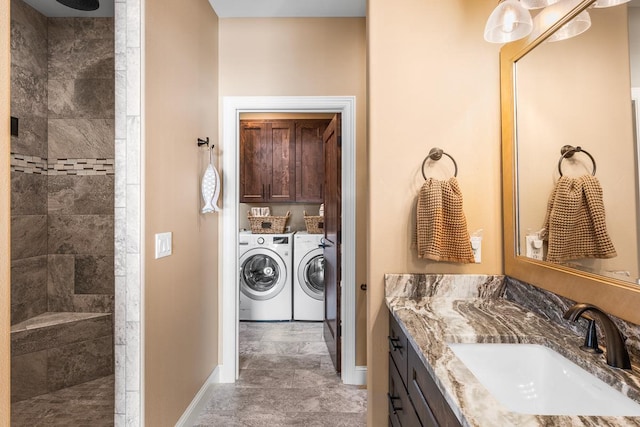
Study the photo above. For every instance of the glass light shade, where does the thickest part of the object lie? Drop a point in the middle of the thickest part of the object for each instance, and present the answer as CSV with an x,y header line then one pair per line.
x,y
609,3
577,25
537,4
509,21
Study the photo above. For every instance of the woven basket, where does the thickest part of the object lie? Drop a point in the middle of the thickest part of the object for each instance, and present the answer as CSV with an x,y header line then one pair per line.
x,y
267,224
314,224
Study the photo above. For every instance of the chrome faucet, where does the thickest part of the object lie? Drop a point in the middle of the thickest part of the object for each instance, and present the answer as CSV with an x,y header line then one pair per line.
x,y
617,355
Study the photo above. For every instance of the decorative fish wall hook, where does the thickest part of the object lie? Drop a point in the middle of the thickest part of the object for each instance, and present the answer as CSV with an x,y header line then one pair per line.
x,y
210,184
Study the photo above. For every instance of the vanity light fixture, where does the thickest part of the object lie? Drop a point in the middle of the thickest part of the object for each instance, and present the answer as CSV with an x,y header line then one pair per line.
x,y
537,4
509,21
576,26
609,3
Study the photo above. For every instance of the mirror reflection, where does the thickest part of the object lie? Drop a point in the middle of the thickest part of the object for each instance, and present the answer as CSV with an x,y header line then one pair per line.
x,y
579,92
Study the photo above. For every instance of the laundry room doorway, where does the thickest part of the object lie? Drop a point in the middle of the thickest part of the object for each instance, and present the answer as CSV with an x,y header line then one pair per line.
x,y
233,213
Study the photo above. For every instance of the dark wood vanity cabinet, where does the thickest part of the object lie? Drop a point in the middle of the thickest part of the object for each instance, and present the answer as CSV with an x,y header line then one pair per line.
x,y
401,411
414,398
281,161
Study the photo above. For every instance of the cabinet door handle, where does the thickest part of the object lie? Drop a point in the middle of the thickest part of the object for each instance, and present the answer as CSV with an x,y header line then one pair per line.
x,y
394,343
269,190
392,400
263,193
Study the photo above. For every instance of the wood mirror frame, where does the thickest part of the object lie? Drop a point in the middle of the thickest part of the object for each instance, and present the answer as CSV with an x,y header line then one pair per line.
x,y
616,297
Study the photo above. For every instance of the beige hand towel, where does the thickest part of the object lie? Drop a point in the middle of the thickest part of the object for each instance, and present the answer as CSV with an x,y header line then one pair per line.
x,y
575,225
442,233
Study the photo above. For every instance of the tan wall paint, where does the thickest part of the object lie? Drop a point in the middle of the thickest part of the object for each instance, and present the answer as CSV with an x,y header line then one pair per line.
x,y
304,57
559,87
5,187
634,45
433,81
181,291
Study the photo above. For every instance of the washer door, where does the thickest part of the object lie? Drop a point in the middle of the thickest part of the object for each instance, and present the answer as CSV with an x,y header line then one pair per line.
x,y
262,274
311,274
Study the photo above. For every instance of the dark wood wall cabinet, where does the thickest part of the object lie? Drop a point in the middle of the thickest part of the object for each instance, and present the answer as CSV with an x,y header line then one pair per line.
x,y
281,161
414,398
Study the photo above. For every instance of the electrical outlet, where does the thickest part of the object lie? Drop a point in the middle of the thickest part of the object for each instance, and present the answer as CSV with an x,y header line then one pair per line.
x,y
534,247
163,245
476,246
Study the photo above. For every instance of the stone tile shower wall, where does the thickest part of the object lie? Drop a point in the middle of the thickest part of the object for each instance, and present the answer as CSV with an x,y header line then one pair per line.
x,y
80,164
28,163
62,195
62,164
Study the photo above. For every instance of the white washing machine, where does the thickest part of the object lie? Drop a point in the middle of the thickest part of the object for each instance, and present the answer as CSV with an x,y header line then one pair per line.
x,y
308,280
265,276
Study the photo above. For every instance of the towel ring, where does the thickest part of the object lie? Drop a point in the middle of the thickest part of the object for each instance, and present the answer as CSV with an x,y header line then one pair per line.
x,y
567,151
436,154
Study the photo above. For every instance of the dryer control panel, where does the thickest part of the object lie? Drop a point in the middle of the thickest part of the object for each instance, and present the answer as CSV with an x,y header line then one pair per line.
x,y
281,240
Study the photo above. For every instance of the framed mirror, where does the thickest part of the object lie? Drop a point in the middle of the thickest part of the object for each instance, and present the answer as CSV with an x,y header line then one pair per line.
x,y
574,92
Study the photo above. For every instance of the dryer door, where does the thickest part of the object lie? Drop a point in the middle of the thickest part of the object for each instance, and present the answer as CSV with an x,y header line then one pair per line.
x,y
311,274
262,274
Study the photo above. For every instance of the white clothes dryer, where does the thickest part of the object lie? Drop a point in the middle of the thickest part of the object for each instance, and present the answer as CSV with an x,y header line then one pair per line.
x,y
308,281
265,276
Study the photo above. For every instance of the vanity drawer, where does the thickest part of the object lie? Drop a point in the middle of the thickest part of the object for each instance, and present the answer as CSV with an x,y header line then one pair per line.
x,y
401,411
432,408
398,347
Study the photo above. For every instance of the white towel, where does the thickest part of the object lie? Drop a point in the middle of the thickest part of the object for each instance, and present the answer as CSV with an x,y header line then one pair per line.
x,y
210,190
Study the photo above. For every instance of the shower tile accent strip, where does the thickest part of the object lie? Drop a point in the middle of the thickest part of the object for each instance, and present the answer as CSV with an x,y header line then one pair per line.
x,y
28,164
40,166
81,166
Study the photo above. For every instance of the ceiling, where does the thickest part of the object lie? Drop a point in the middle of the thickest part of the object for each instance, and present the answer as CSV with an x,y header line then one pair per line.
x,y
231,8
240,8
288,8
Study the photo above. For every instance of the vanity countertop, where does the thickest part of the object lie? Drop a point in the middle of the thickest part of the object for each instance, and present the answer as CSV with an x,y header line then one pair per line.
x,y
437,312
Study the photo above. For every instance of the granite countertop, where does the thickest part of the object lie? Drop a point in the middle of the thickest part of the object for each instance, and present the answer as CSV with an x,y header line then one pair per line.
x,y
466,313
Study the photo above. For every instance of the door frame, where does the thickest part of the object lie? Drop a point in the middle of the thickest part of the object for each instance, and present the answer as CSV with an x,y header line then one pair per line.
x,y
232,106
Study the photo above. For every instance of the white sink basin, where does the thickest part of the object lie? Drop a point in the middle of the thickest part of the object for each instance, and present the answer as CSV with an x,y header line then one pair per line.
x,y
533,379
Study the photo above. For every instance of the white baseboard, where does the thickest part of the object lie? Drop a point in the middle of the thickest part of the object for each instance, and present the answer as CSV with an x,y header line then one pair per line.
x,y
188,419
361,375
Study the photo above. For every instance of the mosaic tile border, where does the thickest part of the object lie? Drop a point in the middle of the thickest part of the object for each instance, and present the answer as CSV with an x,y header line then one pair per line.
x,y
28,164
99,166
40,166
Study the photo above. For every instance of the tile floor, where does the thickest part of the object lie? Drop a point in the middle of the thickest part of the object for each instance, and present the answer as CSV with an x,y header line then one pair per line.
x,y
286,379
85,405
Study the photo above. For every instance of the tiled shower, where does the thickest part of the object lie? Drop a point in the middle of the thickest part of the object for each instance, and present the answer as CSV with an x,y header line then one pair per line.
x,y
62,201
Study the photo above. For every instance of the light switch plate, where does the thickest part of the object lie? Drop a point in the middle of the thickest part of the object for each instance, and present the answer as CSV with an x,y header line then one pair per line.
x,y
476,246
163,245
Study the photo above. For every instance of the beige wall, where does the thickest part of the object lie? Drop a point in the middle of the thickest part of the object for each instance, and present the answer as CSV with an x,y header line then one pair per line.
x,y
634,45
577,92
433,81
5,346
181,291
304,57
